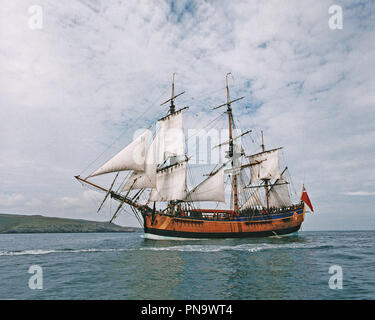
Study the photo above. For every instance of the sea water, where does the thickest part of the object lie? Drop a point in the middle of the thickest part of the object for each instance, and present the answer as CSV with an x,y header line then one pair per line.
x,y
309,265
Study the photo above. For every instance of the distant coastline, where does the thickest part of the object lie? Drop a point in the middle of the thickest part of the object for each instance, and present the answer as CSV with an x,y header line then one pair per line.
x,y
14,223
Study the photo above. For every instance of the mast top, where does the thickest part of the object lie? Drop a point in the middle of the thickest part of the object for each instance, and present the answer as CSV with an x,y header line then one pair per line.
x,y
226,80
172,106
228,103
262,145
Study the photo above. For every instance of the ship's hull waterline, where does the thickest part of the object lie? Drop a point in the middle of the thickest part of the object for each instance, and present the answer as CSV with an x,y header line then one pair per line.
x,y
164,226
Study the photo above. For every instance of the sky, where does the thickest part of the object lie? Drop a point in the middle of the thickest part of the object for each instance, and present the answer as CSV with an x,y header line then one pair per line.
x,y
77,83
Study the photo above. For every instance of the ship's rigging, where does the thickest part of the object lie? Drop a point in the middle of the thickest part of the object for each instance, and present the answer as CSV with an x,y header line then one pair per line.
x,y
157,169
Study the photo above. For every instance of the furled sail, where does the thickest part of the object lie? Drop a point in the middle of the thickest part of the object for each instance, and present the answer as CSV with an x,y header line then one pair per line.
x,y
132,157
254,201
279,194
170,184
264,166
211,189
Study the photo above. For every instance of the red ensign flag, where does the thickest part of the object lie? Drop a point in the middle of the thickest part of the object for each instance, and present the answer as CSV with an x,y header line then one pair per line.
x,y
305,198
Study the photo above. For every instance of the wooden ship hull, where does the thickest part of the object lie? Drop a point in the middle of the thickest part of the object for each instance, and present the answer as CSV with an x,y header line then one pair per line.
x,y
263,225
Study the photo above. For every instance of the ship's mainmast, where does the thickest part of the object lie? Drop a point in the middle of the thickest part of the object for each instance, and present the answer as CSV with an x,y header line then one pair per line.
x,y
229,111
232,153
266,180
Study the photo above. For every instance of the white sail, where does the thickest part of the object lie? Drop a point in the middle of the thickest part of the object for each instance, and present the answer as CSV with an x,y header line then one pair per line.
x,y
279,194
253,201
170,184
132,157
146,178
264,165
211,189
171,134
141,180
169,141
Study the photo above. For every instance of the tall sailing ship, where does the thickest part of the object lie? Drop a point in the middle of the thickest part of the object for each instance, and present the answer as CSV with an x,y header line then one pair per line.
x,y
155,188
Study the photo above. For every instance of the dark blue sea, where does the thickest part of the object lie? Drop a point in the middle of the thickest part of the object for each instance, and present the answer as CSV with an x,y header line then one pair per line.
x,y
128,266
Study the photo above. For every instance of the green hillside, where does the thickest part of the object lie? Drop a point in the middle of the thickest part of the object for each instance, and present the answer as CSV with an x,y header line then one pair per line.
x,y
14,223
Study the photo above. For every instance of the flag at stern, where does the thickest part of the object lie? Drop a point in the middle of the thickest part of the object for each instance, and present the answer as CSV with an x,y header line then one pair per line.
x,y
305,198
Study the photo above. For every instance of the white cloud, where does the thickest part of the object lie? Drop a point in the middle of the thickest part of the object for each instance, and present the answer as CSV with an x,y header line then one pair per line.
x,y
359,193
34,203
11,200
99,70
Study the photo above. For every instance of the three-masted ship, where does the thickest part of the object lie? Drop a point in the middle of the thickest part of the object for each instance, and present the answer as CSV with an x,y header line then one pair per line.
x,y
157,166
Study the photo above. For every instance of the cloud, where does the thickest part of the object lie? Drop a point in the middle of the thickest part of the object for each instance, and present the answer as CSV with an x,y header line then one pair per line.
x,y
73,93
359,193
11,200
34,203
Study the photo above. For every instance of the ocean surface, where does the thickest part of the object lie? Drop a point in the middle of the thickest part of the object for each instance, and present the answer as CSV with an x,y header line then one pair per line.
x,y
128,266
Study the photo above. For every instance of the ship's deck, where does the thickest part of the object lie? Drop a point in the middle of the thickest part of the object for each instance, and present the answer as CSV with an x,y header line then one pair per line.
x,y
225,215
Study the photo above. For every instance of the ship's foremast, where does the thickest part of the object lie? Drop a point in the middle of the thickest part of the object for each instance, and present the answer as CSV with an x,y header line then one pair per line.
x,y
172,107
172,110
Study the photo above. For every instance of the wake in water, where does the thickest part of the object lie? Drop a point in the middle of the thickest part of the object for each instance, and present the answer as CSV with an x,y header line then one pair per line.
x,y
182,248
42,251
241,247
204,246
